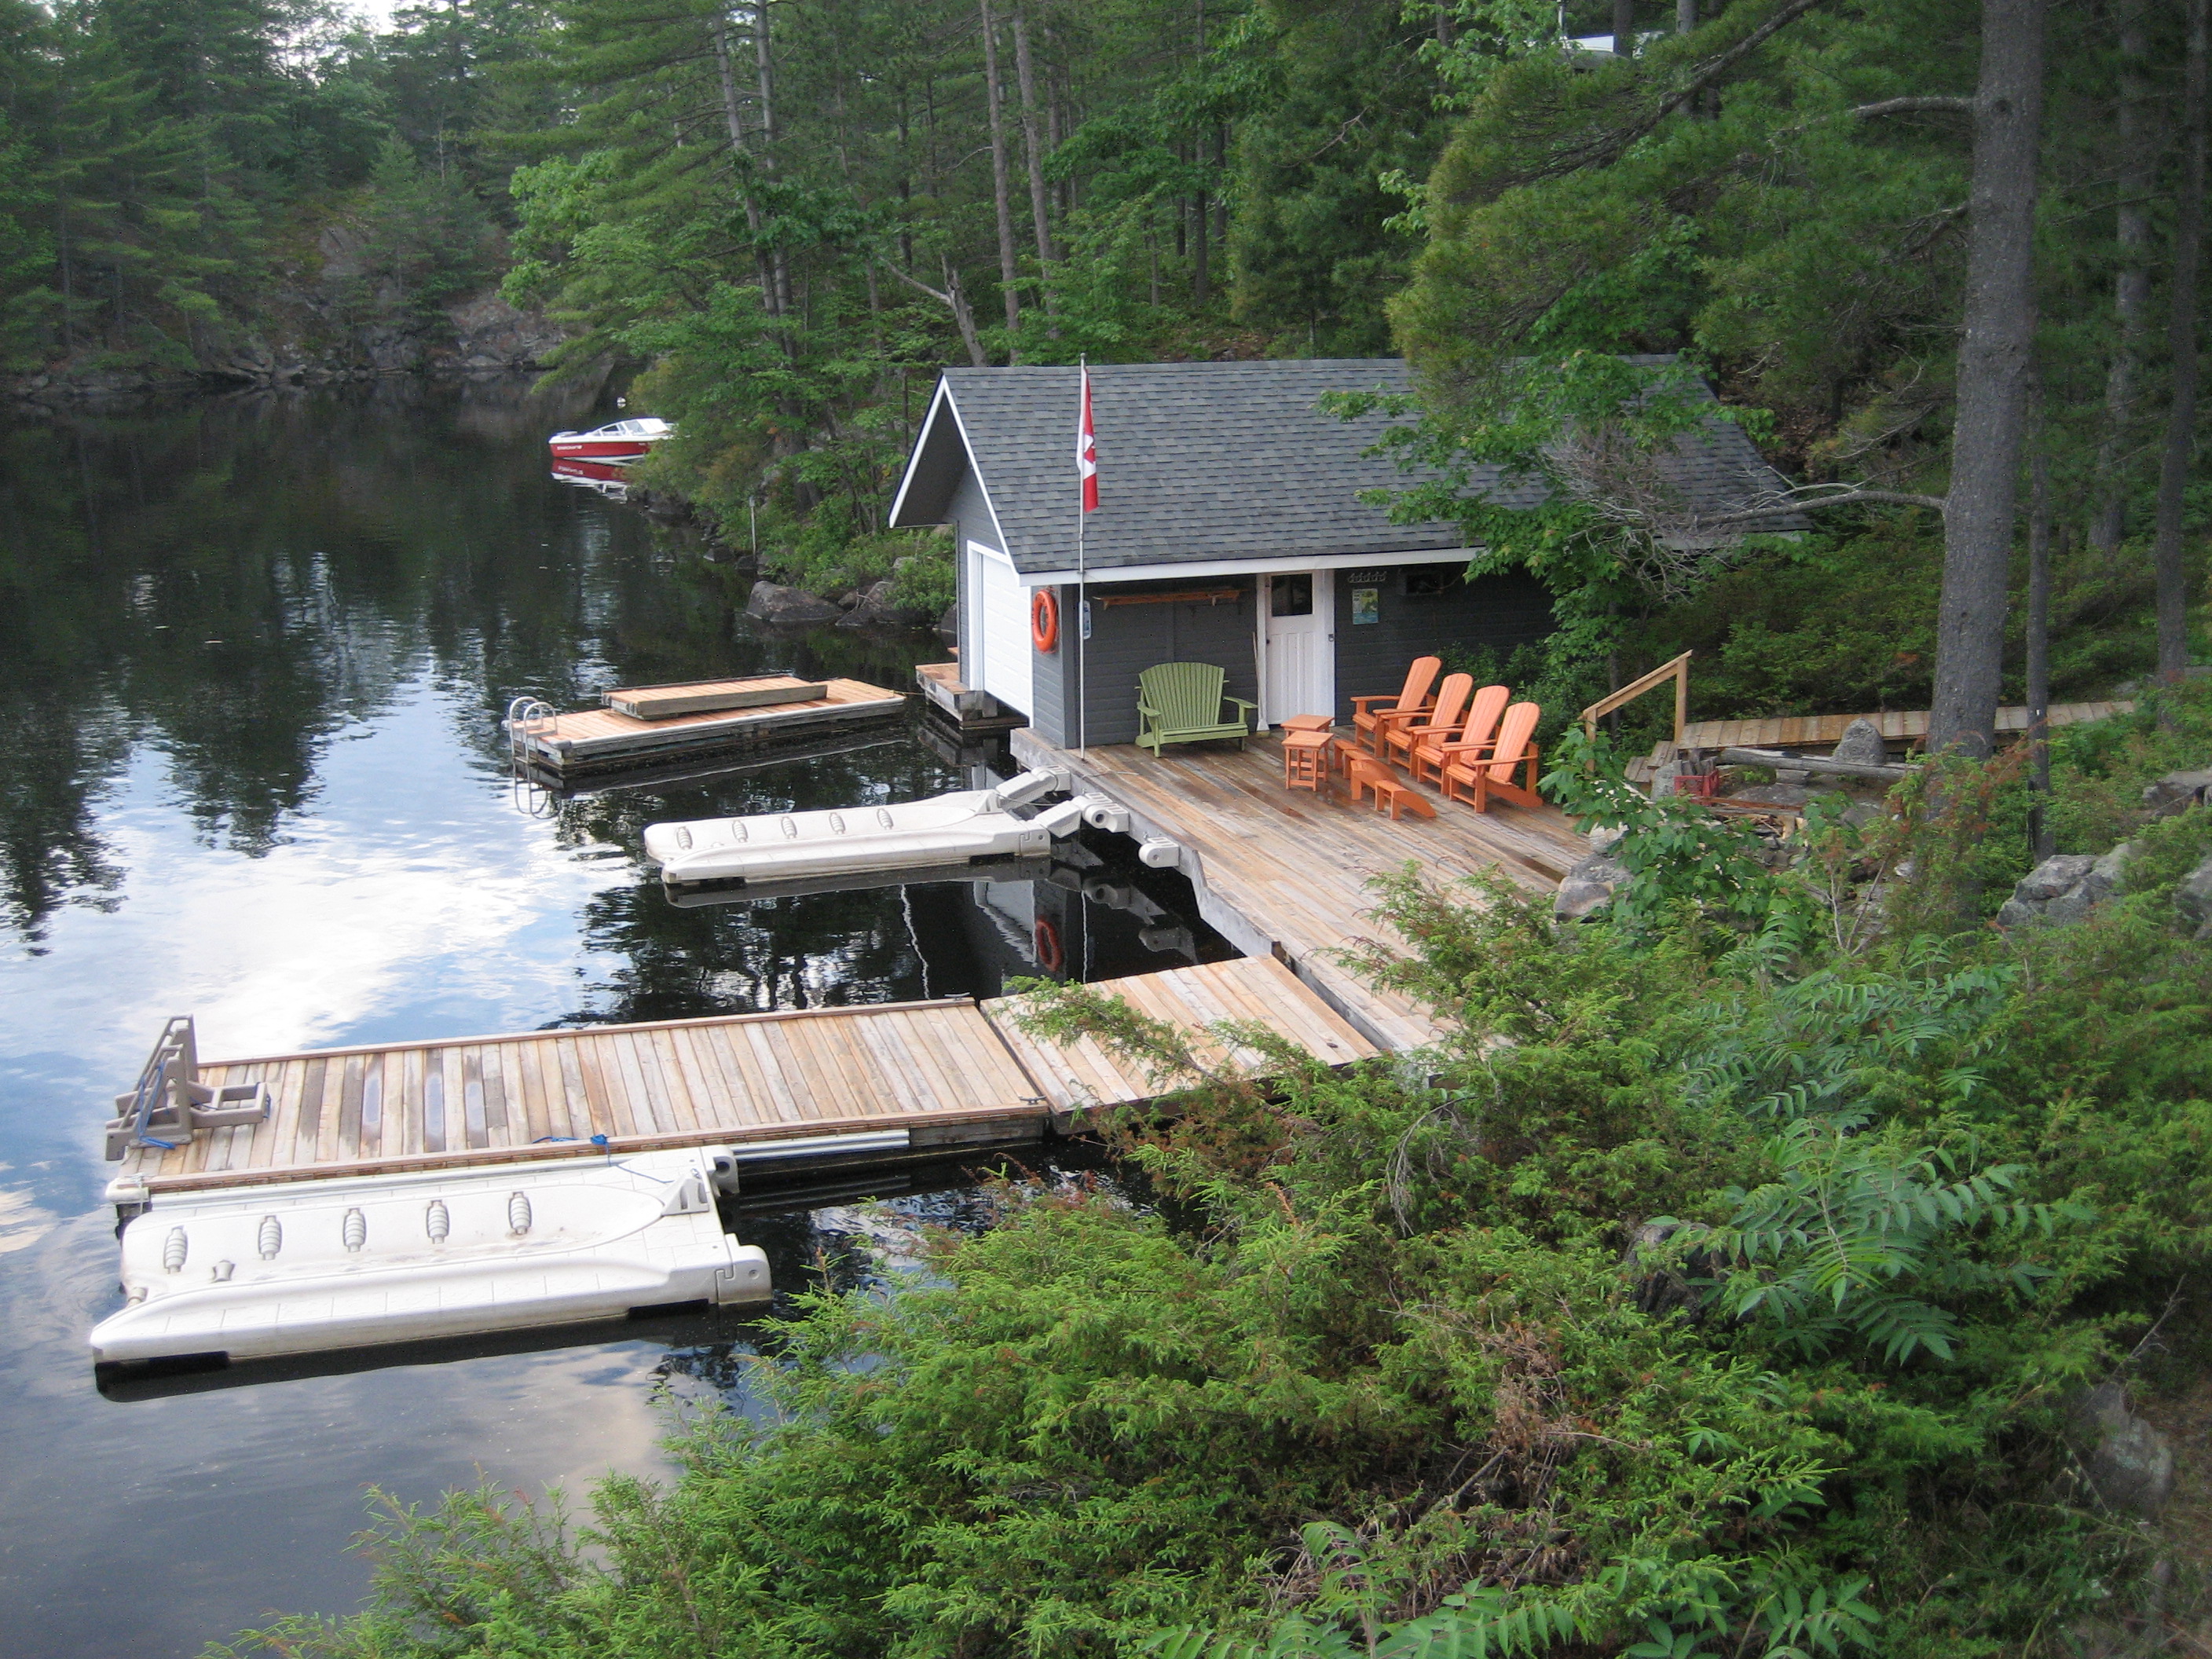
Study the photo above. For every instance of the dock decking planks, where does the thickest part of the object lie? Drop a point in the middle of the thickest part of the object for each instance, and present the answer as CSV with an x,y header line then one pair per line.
x,y
739,1078
1294,868
1250,989
588,736
1906,727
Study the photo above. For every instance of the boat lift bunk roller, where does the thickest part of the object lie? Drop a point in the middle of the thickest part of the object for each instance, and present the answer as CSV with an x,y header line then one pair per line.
x,y
965,825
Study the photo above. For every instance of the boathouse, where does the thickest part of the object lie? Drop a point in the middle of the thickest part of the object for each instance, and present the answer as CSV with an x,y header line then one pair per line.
x,y
1230,530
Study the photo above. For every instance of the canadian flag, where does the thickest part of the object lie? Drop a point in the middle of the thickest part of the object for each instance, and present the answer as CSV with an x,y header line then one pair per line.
x,y
1086,450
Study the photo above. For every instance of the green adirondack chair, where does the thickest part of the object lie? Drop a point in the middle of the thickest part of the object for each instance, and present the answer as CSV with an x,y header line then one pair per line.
x,y
1182,702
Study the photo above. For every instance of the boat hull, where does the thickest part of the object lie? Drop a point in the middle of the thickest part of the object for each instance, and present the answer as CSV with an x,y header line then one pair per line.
x,y
609,452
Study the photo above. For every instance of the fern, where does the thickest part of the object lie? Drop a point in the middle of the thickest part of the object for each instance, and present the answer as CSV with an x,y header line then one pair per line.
x,y
1820,1249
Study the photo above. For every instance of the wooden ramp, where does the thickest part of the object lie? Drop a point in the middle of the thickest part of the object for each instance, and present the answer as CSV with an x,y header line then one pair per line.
x,y
1250,990
1285,874
1902,729
949,1072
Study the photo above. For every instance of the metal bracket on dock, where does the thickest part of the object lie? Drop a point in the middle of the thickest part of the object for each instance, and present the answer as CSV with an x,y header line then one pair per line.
x,y
170,1104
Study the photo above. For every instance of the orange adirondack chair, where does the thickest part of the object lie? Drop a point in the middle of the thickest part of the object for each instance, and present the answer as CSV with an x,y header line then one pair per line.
x,y
1441,719
1412,698
1432,754
1515,749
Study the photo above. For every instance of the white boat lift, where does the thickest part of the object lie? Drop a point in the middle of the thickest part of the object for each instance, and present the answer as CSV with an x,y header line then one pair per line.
x,y
964,826
289,1269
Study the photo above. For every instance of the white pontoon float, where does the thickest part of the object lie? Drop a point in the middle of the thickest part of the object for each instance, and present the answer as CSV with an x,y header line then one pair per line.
x,y
968,824
303,1267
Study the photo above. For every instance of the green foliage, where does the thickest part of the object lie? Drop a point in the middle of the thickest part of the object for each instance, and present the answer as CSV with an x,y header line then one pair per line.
x,y
1422,1365
423,237
1674,850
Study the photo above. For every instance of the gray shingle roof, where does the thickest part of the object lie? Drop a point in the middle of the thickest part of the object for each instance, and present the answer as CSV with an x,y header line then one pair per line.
x,y
1210,461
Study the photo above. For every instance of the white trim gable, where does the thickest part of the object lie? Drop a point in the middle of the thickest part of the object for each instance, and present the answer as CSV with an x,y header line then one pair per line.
x,y
943,399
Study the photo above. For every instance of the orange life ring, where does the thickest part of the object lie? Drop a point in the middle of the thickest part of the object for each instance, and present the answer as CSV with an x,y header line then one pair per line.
x,y
1045,620
1050,955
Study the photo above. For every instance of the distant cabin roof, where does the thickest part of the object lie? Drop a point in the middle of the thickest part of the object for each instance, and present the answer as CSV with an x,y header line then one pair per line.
x,y
1202,462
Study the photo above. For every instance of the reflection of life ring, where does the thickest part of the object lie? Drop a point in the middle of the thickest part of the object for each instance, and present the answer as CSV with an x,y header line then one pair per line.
x,y
1049,956
1045,620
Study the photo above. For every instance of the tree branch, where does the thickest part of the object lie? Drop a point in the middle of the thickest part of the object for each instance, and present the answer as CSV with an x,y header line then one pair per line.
x,y
1792,501
1931,104
1720,64
1912,106
952,299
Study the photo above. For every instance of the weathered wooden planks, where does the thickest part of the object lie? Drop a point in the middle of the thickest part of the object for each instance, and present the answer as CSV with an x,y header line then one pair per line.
x,y
1248,990
934,1065
475,1099
660,702
1288,875
605,737
1902,728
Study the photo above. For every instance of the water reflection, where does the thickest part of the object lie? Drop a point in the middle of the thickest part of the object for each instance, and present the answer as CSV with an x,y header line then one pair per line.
x,y
257,649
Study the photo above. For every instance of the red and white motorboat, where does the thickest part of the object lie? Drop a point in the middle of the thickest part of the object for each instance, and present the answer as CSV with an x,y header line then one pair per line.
x,y
615,444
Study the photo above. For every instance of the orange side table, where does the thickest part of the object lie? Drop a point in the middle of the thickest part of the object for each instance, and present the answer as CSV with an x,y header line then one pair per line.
x,y
1305,759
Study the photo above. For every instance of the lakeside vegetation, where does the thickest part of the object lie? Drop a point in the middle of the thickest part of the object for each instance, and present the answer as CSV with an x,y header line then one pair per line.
x,y
1720,1288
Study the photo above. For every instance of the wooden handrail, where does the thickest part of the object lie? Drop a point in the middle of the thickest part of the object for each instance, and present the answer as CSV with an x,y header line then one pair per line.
x,y
1678,671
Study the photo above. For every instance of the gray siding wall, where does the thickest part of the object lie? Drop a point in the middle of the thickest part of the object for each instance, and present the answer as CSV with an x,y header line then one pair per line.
x,y
1500,612
1128,639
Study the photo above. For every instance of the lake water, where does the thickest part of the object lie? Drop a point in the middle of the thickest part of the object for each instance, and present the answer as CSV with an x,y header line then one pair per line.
x,y
255,651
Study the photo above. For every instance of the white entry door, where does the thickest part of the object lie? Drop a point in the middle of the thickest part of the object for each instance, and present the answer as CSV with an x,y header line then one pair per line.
x,y
1299,646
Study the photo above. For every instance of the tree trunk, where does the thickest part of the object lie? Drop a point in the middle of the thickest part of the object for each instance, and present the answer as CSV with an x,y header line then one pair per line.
x,y
1033,145
2130,285
1624,28
2181,340
733,121
1201,274
963,316
1995,361
1686,15
1009,269
764,57
2039,843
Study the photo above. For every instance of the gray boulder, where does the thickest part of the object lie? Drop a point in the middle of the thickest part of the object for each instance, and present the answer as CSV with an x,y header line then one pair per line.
x,y
771,603
2193,898
1588,886
2064,888
1862,745
2130,1463
2177,791
874,608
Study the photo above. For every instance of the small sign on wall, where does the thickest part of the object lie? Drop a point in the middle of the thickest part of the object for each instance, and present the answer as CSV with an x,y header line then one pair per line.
x,y
1086,619
1366,605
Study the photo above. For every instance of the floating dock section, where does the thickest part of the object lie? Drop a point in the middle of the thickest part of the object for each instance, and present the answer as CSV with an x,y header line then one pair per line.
x,y
924,1075
643,726
300,1202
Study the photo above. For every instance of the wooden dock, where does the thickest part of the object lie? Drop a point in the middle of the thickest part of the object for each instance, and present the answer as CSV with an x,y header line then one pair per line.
x,y
1284,874
949,1074
1902,729
597,738
970,710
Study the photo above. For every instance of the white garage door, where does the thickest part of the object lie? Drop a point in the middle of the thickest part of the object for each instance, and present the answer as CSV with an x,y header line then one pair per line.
x,y
1001,639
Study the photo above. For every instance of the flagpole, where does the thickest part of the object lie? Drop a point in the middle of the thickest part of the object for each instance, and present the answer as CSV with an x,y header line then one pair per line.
x,y
1082,588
